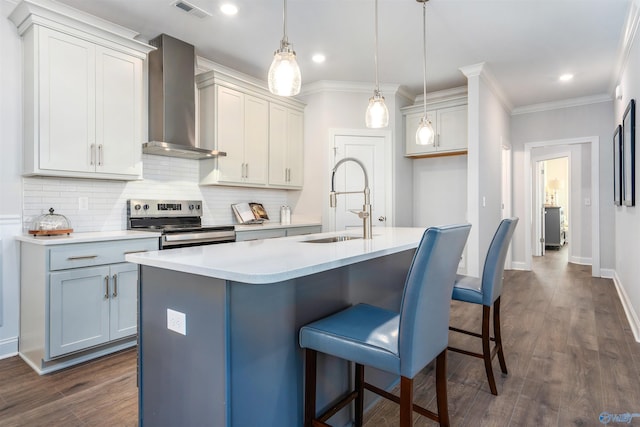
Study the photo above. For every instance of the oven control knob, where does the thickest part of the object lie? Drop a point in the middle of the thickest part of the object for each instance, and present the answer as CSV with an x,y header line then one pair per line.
x,y
145,207
137,207
197,206
191,207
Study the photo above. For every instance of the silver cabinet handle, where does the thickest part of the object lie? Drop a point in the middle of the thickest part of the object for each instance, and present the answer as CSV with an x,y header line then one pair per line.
x,y
135,252
93,154
106,287
382,218
115,286
243,171
100,155
76,258
247,170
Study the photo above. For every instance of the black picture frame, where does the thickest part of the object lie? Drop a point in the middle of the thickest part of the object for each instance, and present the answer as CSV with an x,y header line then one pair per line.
x,y
628,155
617,166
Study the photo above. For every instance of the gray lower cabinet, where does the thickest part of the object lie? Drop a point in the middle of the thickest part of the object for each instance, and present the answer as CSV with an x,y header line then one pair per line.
x,y
91,306
78,301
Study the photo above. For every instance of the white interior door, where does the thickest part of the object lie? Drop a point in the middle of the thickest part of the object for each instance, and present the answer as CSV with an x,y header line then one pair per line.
x,y
370,149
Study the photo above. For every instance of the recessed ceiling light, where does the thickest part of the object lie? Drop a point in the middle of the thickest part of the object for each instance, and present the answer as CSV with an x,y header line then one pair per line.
x,y
318,58
229,9
566,77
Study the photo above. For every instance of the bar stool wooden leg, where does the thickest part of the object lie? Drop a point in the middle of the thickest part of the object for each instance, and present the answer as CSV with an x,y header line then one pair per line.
x,y
441,389
406,402
311,357
359,403
498,336
486,348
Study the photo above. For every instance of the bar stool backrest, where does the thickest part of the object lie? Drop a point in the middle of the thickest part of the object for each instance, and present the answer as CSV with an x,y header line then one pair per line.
x,y
426,300
494,262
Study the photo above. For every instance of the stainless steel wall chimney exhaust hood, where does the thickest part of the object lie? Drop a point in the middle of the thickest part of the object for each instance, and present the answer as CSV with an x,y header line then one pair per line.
x,y
172,117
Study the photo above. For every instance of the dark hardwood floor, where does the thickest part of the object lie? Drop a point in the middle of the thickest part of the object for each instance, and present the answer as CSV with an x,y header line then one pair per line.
x,y
569,350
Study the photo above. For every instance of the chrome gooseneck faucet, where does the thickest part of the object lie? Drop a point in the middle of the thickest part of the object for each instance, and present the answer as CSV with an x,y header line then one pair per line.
x,y
365,213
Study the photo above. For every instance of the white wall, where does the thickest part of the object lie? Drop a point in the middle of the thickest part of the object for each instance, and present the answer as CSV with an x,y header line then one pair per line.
x,y
568,123
440,191
627,219
10,181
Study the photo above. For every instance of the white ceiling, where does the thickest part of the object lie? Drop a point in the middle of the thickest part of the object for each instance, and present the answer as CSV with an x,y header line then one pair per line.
x,y
526,44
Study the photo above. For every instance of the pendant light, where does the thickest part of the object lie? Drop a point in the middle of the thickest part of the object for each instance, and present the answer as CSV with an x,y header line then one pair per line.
x,y
425,134
377,115
284,74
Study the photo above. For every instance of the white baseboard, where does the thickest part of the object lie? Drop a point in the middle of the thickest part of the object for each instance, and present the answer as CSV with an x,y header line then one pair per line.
x,y
579,260
519,266
607,273
632,316
8,347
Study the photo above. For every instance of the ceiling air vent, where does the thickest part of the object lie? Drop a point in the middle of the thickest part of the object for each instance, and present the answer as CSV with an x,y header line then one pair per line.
x,y
191,9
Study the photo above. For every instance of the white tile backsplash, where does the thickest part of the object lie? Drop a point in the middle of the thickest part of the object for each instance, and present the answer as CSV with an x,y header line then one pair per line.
x,y
164,178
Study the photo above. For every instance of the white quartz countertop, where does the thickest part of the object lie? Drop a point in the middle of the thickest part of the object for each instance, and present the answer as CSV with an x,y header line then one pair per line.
x,y
88,237
276,260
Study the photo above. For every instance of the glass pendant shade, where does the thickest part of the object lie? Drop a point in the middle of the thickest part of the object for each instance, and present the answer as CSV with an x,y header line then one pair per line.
x,y
425,134
284,74
377,115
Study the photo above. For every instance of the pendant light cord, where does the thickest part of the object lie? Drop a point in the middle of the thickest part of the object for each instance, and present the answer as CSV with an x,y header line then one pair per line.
x,y
284,23
375,56
424,44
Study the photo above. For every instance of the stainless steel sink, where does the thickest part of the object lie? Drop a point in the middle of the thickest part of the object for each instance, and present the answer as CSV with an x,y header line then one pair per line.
x,y
333,239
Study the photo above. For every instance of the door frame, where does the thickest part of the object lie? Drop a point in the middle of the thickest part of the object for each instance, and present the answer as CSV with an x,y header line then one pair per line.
x,y
595,196
388,165
539,224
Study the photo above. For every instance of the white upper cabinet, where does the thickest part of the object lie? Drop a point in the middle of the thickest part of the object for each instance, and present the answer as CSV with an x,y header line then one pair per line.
x,y
449,125
83,102
242,132
261,134
286,137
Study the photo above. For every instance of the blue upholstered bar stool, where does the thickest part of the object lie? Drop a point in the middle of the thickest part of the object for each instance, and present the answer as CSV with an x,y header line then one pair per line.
x,y
486,291
400,343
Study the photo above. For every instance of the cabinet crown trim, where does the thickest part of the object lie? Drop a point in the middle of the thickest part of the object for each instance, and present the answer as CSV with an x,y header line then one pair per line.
x,y
66,19
216,77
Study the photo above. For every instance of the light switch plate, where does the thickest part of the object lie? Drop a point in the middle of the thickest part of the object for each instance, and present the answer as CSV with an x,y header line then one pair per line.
x,y
176,321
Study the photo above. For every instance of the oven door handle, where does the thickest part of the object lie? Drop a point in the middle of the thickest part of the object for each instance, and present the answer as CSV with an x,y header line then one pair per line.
x,y
185,237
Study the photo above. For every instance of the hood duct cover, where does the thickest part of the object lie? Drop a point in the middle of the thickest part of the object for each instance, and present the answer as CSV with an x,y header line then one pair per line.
x,y
172,101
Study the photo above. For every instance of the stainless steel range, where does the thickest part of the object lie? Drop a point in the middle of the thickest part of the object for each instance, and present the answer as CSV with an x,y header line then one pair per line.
x,y
179,221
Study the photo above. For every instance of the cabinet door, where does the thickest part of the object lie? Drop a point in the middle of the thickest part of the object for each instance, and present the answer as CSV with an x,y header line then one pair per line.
x,y
277,145
66,102
256,140
286,138
412,121
295,148
230,134
452,128
78,309
118,108
124,300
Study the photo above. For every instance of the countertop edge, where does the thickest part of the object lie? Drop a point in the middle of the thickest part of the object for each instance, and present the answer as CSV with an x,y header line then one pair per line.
x,y
86,237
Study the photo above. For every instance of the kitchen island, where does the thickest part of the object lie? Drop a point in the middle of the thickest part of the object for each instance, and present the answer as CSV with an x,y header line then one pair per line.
x,y
218,337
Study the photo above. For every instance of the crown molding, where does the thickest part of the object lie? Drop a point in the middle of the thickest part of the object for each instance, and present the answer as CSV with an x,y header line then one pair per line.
x,y
483,71
60,17
628,36
345,86
565,103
